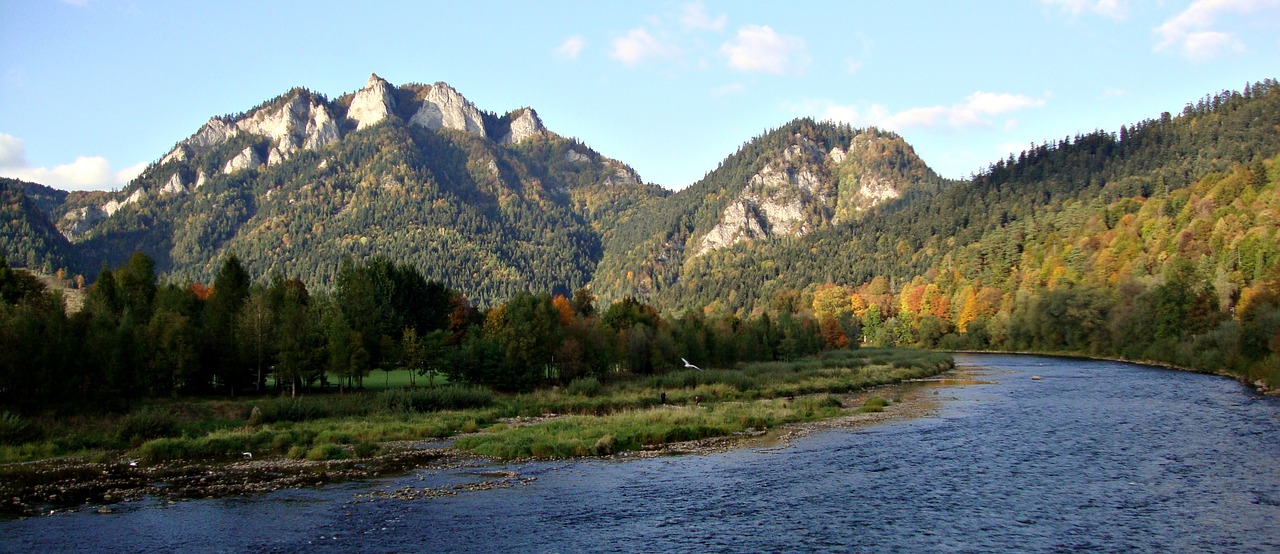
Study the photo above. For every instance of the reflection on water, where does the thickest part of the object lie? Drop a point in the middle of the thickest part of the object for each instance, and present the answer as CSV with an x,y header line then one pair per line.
x,y
1094,456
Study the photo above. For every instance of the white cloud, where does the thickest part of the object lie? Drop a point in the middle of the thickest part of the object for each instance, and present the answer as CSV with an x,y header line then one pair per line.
x,y
1111,9
760,48
12,152
638,45
571,48
85,173
979,110
1192,32
694,16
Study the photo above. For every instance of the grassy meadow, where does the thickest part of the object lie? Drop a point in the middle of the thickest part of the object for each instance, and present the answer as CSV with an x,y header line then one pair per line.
x,y
587,417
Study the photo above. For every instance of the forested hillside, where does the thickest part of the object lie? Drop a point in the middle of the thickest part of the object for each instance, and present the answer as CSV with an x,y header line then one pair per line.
x,y
920,231
491,205
27,237
1160,241
834,177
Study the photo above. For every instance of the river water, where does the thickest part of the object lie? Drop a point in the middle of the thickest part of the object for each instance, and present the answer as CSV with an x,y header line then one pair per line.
x,y
1100,456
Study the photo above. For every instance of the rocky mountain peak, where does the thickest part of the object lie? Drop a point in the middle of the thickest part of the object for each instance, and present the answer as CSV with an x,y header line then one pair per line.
x,y
524,124
372,103
445,108
300,121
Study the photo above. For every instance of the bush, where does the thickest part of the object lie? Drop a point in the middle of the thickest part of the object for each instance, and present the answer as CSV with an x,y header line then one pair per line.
x,y
146,424
874,404
162,450
16,430
366,449
585,386
605,445
327,452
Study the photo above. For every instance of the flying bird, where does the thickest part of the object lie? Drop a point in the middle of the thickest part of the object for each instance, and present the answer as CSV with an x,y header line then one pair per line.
x,y
687,364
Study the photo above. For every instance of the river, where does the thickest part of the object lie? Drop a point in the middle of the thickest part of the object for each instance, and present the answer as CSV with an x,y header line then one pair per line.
x,y
1094,455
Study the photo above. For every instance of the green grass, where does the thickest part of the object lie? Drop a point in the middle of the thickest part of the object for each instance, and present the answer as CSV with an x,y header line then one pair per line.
x,y
604,416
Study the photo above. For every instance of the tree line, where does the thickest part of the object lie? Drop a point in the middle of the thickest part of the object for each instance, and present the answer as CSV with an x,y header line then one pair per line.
x,y
136,338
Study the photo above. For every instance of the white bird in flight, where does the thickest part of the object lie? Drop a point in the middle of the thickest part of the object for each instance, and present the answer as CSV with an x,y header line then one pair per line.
x,y
687,364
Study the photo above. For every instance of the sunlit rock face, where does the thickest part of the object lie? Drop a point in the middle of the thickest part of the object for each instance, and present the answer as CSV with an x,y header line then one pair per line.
x,y
444,108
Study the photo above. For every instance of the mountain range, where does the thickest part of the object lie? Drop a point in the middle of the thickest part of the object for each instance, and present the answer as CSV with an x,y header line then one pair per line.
x,y
495,204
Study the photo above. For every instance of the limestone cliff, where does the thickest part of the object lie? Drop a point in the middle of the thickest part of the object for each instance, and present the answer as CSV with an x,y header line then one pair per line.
x,y
805,186
372,103
524,124
444,108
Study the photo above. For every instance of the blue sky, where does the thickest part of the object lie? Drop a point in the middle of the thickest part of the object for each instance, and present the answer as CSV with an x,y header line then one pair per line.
x,y
93,90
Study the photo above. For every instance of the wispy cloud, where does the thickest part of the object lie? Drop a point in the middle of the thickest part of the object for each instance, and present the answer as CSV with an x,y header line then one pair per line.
x,y
638,45
85,173
1193,32
571,48
979,110
1111,9
760,48
694,16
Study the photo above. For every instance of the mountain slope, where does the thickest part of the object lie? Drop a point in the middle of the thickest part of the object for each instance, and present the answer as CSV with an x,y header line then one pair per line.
x,y
933,221
489,204
27,238
786,187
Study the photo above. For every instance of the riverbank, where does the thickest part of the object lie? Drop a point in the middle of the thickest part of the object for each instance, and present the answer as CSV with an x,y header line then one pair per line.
x,y
704,417
1259,385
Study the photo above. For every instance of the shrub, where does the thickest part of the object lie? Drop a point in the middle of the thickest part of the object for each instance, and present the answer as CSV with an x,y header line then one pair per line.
x,y
146,424
15,430
874,404
831,401
605,445
585,386
327,452
365,449
165,449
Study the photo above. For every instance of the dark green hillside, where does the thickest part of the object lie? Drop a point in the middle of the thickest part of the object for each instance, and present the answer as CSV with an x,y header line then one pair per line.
x,y
27,238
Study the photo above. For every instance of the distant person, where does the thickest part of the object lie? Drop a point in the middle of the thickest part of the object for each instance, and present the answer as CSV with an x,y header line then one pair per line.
x,y
663,398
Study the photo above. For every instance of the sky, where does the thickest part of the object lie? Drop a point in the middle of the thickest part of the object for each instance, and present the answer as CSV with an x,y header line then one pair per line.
x,y
92,91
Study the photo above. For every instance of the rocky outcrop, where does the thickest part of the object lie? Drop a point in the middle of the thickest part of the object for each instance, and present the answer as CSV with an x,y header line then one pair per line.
x,y
621,176
524,124
78,222
779,200
246,159
110,208
866,183
444,108
200,179
740,221
178,154
301,122
173,186
776,202
371,104
212,134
